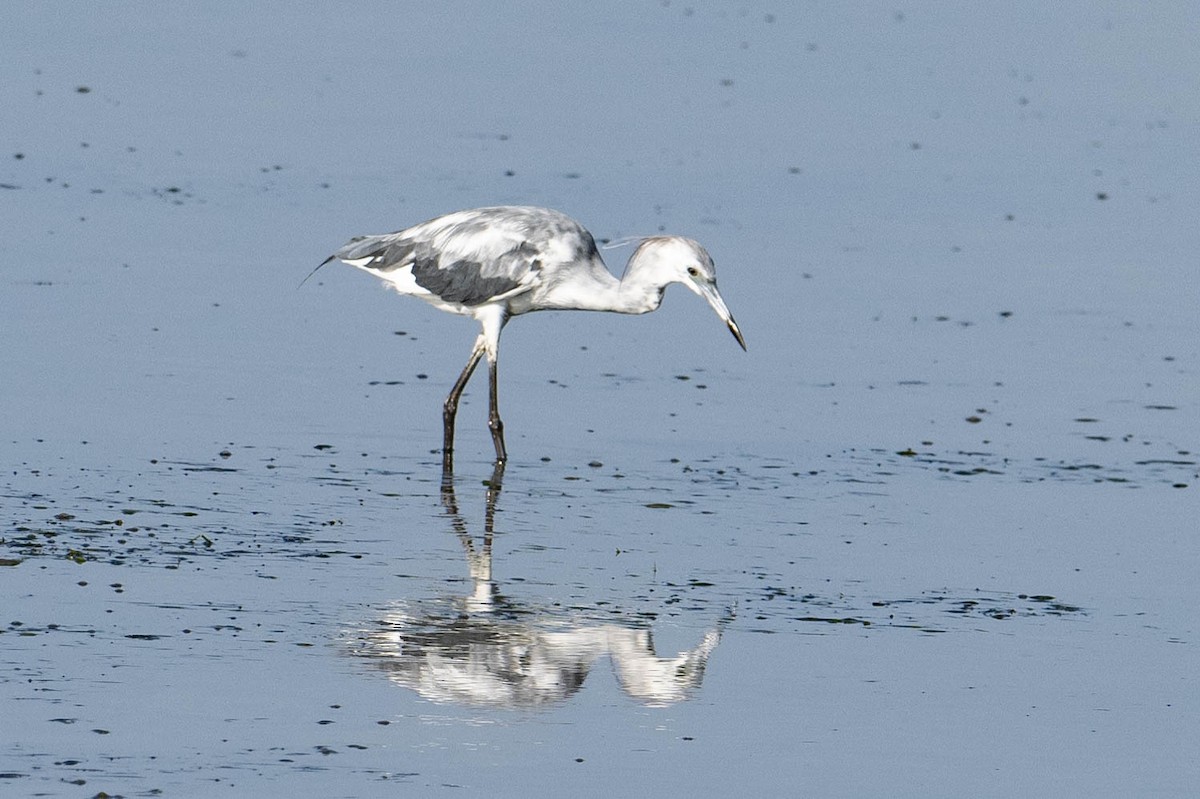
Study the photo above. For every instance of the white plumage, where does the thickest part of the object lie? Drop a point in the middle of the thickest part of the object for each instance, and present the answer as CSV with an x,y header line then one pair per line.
x,y
496,263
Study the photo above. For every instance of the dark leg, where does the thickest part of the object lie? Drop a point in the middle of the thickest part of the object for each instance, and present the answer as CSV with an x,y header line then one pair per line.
x,y
450,409
494,423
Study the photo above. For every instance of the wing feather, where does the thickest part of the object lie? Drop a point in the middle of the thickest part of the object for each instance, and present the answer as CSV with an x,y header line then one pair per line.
x,y
473,257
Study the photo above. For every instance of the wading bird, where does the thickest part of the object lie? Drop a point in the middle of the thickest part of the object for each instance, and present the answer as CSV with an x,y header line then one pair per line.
x,y
496,263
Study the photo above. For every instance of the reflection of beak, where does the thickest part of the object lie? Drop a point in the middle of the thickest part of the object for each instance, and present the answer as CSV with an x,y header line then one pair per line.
x,y
709,292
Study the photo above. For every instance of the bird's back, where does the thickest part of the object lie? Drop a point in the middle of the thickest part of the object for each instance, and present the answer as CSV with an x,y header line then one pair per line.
x,y
469,258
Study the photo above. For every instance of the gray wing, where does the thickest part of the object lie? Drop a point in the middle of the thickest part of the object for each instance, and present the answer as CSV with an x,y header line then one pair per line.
x,y
469,257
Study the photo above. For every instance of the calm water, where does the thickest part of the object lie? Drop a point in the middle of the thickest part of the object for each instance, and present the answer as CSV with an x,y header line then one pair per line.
x,y
933,535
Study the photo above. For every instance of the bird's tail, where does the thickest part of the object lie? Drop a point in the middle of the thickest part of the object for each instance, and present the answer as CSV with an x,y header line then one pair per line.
x,y
313,272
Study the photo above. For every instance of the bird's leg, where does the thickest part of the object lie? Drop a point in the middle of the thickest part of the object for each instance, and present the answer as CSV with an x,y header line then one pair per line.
x,y
450,409
494,423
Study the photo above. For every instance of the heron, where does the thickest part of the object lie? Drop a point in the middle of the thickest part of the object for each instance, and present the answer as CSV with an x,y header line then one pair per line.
x,y
499,262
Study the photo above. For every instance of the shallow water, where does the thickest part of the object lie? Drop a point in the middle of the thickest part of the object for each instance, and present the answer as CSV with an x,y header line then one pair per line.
x,y
934,534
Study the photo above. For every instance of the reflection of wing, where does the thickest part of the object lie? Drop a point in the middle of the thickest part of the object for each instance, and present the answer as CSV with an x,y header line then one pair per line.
x,y
481,661
492,659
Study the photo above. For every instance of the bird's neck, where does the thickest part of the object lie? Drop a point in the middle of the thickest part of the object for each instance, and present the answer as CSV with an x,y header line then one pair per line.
x,y
638,292
597,289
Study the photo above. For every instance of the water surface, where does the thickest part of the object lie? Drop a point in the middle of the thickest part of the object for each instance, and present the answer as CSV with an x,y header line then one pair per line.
x,y
932,535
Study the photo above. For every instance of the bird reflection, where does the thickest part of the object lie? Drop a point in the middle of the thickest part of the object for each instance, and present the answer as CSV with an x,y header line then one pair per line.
x,y
484,649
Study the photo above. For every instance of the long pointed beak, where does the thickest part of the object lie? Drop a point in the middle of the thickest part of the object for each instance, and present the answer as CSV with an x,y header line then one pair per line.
x,y
709,292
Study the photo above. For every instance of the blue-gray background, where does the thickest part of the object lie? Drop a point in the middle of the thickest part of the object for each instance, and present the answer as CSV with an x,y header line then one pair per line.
x,y
960,240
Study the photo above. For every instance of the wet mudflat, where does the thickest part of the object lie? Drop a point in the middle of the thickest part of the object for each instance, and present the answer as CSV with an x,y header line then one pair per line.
x,y
934,534
332,628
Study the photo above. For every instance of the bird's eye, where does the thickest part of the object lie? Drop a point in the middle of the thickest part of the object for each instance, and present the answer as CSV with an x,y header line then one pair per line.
x,y
693,271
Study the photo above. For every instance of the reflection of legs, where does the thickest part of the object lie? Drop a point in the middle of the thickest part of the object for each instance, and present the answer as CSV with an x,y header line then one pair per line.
x,y
479,562
450,409
493,492
494,423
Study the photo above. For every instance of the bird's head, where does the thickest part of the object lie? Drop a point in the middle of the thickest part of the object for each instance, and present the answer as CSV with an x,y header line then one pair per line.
x,y
675,259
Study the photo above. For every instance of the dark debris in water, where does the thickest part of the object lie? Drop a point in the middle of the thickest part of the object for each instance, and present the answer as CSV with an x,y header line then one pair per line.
x,y
929,612
164,535
969,464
